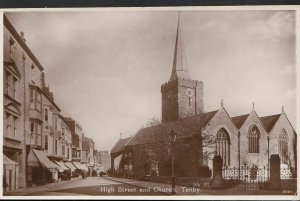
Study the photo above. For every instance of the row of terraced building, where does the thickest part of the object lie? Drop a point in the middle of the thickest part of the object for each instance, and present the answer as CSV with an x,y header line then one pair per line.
x,y
39,143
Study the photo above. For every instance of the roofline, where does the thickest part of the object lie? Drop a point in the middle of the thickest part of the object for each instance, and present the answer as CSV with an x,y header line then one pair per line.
x,y
277,121
134,136
76,123
63,118
243,122
288,121
42,91
156,142
202,126
14,32
231,119
268,133
117,143
240,115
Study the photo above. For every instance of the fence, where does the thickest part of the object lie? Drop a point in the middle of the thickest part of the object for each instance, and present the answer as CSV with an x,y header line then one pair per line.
x,y
253,178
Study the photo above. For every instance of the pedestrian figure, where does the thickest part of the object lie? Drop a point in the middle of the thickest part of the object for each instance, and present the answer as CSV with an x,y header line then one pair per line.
x,y
69,174
82,174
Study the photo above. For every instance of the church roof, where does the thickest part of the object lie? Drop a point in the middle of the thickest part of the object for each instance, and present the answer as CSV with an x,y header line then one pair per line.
x,y
180,69
120,145
184,128
269,121
239,120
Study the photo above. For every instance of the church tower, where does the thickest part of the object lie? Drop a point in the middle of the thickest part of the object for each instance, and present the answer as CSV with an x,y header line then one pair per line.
x,y
181,96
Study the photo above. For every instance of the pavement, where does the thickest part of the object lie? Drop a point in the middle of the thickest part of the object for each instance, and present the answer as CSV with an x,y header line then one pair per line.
x,y
41,188
122,186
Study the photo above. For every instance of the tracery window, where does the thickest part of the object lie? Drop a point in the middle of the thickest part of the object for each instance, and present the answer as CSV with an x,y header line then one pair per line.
x,y
283,147
253,139
223,146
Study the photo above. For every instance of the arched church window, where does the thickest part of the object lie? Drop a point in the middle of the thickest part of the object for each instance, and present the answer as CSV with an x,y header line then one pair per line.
x,y
253,139
223,146
283,147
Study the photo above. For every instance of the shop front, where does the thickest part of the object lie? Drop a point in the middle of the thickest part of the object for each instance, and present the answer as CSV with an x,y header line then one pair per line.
x,y
10,174
40,169
72,168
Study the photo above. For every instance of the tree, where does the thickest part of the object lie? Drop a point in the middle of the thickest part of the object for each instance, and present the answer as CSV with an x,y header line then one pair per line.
x,y
154,121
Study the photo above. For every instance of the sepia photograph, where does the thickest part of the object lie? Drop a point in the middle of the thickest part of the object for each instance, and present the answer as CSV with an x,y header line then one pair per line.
x,y
150,102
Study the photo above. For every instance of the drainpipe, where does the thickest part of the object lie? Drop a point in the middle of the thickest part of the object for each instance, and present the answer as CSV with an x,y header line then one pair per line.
x,y
24,106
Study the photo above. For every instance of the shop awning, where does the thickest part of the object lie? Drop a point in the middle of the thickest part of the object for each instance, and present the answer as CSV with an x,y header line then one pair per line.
x,y
117,161
70,165
62,165
80,166
8,161
43,159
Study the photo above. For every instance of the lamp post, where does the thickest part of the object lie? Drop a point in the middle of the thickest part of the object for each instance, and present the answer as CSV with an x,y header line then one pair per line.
x,y
172,138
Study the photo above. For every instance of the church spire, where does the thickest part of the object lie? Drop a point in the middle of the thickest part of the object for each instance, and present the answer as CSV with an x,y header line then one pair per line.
x,y
180,69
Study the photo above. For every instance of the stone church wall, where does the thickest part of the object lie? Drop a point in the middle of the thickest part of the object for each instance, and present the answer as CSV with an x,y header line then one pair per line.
x,y
219,121
283,123
259,159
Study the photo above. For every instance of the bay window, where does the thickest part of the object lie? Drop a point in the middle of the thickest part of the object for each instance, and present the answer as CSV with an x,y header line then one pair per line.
x,y
11,125
7,80
55,122
63,150
35,133
11,85
35,100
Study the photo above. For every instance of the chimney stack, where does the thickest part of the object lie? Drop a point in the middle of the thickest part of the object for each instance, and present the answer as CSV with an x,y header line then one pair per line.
x,y
23,36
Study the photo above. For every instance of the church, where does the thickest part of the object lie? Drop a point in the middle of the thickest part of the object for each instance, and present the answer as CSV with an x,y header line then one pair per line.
x,y
245,140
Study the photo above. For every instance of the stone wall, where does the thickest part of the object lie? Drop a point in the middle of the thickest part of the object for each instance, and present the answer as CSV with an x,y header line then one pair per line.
x,y
219,121
177,103
259,159
283,123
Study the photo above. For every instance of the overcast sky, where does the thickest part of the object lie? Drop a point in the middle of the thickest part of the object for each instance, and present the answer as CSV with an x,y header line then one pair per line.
x,y
106,67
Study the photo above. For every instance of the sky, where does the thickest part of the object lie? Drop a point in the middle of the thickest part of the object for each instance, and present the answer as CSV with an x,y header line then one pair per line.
x,y
106,67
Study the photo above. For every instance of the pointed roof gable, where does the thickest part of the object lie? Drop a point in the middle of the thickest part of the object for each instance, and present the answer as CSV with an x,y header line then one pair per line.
x,y
269,121
180,69
120,145
182,127
239,120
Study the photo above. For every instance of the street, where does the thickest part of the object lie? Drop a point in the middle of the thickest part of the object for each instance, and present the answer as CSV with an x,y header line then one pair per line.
x,y
95,186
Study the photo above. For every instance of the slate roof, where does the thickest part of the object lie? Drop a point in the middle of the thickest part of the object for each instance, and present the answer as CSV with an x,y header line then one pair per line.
x,y
239,120
120,145
269,121
184,128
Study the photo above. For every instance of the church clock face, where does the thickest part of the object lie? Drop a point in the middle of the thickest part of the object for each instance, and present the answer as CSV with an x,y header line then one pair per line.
x,y
189,92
